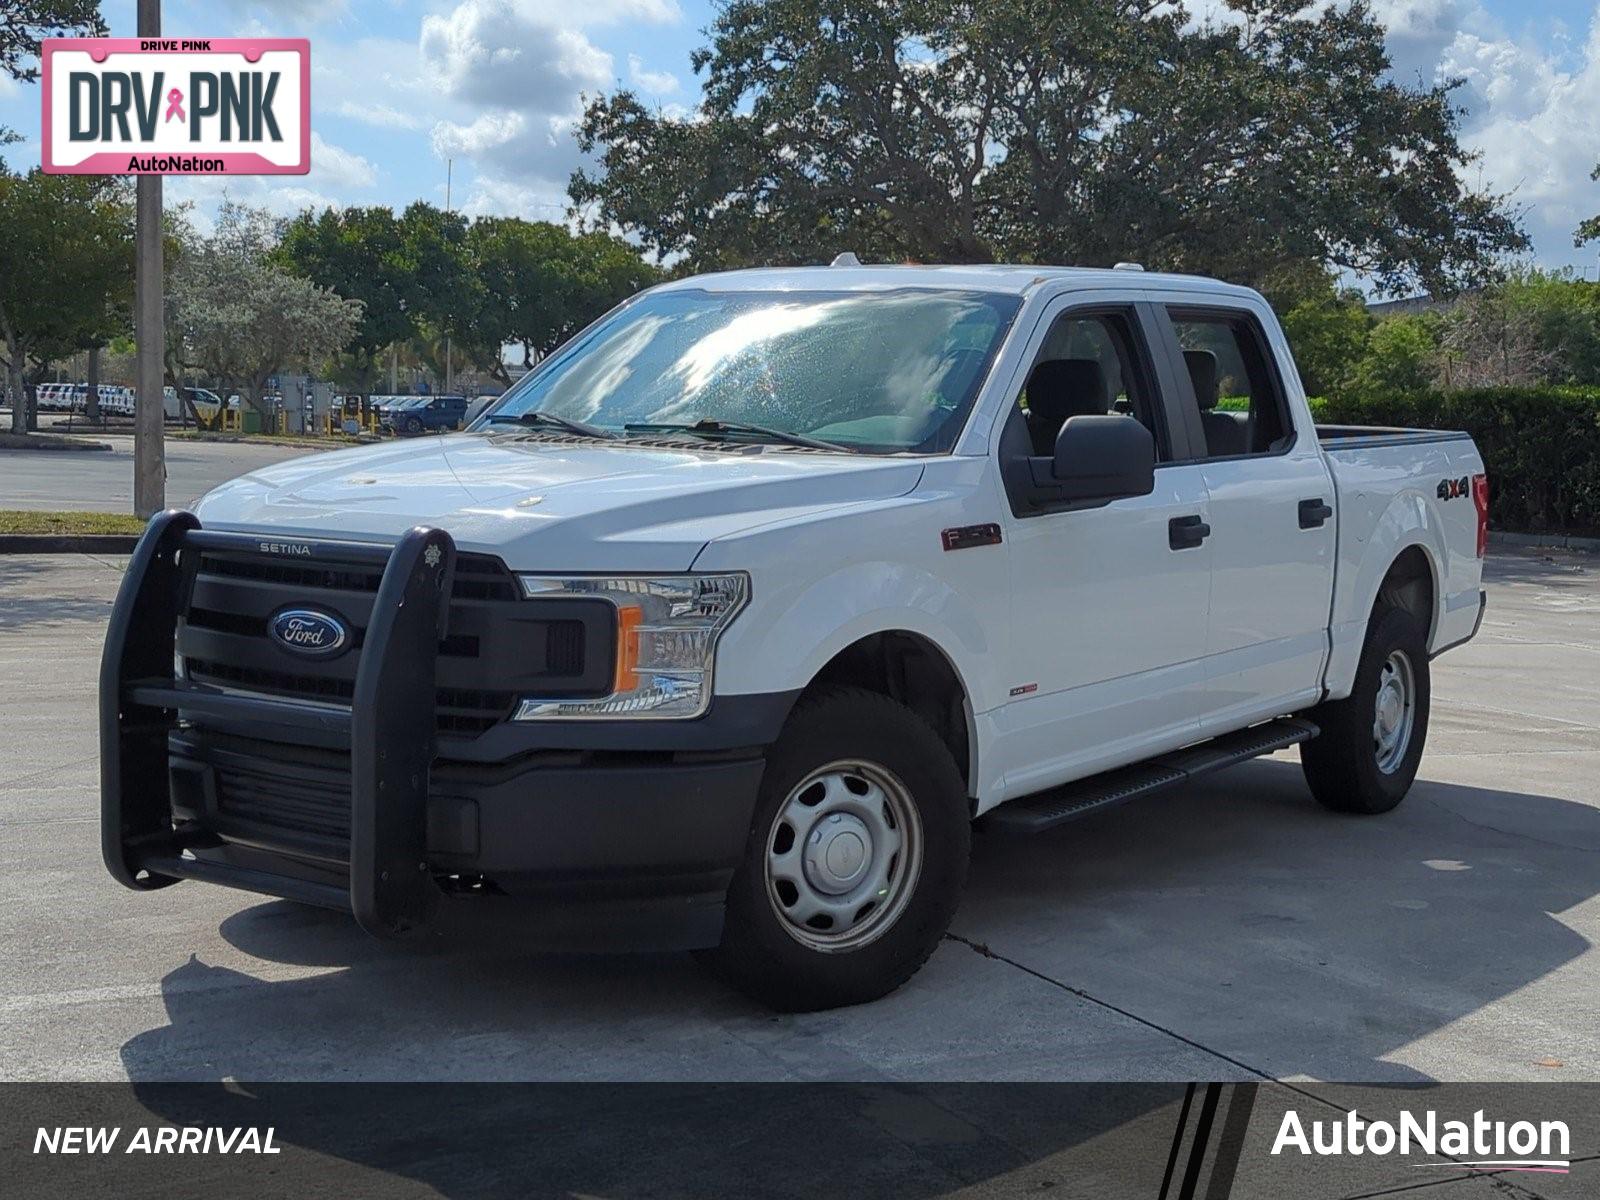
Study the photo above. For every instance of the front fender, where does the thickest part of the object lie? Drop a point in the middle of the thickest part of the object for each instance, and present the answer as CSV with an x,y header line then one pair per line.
x,y
789,635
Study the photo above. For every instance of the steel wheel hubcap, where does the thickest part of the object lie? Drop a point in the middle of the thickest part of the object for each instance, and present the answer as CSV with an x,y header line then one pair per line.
x,y
843,855
1394,712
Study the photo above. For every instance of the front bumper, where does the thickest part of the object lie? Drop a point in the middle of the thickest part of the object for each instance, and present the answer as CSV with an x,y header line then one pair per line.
x,y
610,840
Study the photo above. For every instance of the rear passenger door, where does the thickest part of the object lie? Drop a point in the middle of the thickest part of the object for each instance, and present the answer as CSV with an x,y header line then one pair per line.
x,y
1272,523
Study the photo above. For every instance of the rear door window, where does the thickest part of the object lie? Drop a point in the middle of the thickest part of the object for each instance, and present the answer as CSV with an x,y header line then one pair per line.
x,y
1231,383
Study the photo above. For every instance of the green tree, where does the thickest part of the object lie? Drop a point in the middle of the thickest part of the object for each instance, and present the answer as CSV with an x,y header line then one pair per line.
x,y
243,317
26,23
433,251
541,284
1049,130
1565,314
1328,334
1401,358
1589,231
66,272
360,254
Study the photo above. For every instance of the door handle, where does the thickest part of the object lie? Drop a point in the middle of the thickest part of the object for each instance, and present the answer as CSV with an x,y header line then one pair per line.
x,y
1185,533
1314,512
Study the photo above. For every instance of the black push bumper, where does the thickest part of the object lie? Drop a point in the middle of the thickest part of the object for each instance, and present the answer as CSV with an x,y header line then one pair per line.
x,y
389,826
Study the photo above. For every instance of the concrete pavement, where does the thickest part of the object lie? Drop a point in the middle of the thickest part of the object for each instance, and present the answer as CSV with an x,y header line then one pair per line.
x,y
1230,931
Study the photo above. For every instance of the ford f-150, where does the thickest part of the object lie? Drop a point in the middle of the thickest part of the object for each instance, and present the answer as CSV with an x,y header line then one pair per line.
x,y
733,616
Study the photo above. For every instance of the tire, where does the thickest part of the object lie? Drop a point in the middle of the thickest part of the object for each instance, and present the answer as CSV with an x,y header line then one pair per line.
x,y
846,758
413,425
1349,767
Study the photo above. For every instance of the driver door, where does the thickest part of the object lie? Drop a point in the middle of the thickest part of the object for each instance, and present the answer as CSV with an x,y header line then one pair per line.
x,y
1109,607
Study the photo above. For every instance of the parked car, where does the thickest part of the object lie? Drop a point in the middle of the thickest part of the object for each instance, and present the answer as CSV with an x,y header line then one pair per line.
x,y
422,414
383,403
725,623
53,397
206,403
115,400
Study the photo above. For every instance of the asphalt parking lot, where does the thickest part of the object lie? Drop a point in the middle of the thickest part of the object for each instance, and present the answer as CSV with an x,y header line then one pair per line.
x,y
1230,931
103,482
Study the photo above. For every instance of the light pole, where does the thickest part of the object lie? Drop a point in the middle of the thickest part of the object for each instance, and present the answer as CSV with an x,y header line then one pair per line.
x,y
449,367
149,455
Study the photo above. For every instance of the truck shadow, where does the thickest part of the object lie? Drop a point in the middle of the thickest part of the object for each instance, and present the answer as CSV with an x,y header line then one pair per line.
x,y
1300,942
1237,914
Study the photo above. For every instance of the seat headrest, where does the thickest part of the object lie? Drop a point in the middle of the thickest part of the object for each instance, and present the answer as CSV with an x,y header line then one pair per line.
x,y
1202,366
1067,387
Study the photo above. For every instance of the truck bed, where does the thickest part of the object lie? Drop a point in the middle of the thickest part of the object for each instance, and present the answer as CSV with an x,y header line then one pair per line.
x,y
1397,488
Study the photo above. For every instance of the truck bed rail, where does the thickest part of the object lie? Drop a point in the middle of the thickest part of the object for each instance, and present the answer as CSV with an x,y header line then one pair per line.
x,y
1360,437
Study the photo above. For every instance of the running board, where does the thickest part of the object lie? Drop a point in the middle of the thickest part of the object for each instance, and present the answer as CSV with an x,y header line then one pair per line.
x,y
1050,808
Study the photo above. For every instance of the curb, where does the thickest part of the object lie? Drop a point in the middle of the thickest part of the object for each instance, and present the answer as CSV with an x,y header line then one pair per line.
x,y
67,543
56,442
1545,541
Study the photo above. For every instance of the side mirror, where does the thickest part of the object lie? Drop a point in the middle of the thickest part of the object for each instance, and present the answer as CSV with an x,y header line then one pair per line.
x,y
1103,458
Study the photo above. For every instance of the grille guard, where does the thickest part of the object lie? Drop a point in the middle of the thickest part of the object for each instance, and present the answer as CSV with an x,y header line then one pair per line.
x,y
389,728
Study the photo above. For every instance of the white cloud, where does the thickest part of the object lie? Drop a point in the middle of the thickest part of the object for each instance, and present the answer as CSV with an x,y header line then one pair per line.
x,y
207,192
514,72
660,83
338,167
383,116
375,80
1538,126
497,52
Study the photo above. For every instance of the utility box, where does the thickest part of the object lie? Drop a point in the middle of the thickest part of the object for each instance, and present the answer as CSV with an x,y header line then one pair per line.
x,y
294,404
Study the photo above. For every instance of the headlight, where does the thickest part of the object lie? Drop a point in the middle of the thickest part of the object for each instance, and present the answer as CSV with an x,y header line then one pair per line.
x,y
667,631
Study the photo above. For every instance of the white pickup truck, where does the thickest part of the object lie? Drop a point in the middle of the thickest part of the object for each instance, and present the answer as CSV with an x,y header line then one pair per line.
x,y
723,626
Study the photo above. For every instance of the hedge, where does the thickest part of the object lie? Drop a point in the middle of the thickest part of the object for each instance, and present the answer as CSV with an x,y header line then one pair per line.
x,y
1541,446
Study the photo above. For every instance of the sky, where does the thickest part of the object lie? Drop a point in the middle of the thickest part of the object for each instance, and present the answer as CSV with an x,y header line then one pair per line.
x,y
401,88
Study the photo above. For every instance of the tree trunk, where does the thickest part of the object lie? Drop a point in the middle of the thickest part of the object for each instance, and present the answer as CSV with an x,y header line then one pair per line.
x,y
91,402
18,392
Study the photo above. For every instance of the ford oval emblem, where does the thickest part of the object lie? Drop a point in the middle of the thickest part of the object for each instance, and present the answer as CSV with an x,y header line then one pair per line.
x,y
309,632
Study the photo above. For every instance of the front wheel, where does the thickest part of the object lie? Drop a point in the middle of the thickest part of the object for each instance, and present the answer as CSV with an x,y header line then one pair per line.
x,y
1367,755
855,860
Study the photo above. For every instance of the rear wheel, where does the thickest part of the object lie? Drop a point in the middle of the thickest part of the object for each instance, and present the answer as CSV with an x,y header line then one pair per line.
x,y
1367,755
855,860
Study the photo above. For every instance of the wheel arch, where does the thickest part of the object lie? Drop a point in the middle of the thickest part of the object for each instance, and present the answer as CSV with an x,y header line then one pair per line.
x,y
1411,583
911,669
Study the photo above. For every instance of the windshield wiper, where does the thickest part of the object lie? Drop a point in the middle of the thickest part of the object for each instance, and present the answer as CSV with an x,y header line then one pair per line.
x,y
536,417
711,426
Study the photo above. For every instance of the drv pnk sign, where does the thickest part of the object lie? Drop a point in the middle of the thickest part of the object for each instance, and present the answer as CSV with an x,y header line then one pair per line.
x,y
177,106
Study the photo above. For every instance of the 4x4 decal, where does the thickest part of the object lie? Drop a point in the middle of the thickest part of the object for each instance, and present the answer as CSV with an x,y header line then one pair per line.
x,y
1449,489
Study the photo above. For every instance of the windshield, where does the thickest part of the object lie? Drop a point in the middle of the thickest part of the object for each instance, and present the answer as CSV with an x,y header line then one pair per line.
x,y
880,372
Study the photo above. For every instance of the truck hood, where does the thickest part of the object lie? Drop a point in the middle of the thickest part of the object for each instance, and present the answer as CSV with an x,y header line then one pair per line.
x,y
546,505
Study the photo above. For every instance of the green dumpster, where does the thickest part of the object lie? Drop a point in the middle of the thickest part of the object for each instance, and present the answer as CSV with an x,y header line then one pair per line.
x,y
249,421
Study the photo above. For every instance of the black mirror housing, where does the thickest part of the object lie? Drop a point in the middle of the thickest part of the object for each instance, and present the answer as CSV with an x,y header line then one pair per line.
x,y
1098,459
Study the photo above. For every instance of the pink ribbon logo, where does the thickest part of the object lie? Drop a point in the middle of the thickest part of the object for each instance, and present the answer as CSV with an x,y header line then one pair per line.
x,y
175,105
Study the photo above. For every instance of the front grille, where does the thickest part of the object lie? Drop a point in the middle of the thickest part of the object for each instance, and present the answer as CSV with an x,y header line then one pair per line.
x,y
302,804
497,646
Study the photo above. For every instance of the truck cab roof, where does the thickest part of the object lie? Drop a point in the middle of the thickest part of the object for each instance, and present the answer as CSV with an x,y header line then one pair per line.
x,y
1017,279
